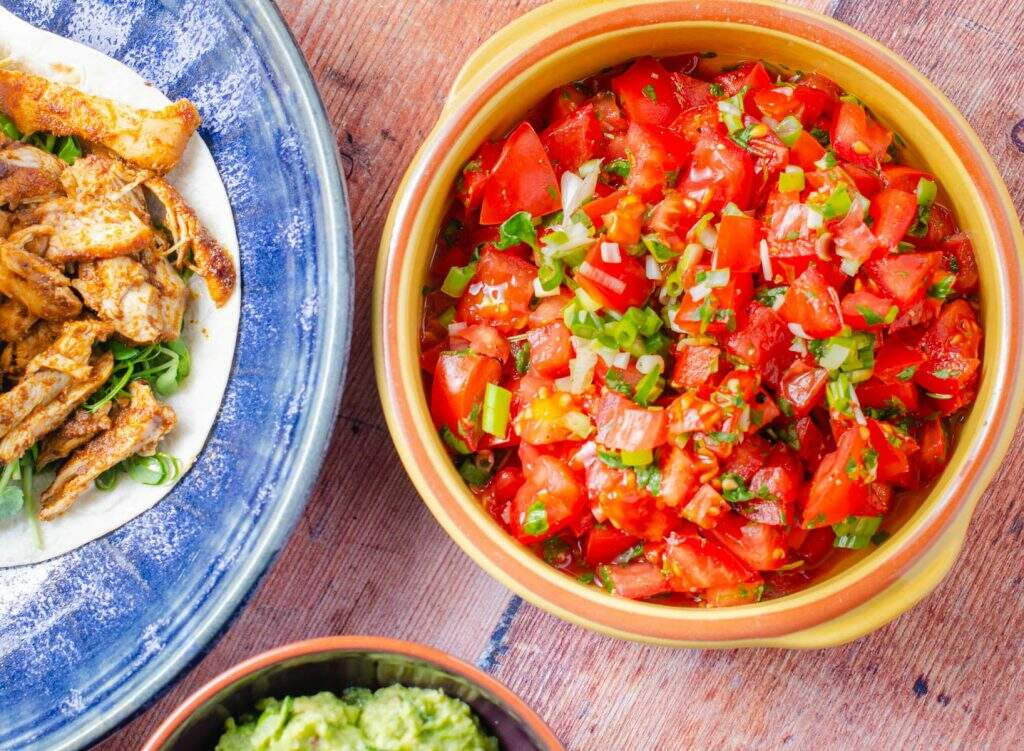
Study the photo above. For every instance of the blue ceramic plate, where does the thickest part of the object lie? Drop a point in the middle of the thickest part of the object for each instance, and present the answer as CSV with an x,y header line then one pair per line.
x,y
94,635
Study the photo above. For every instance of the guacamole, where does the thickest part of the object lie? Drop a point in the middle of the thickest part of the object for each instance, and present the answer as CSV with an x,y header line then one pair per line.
x,y
395,718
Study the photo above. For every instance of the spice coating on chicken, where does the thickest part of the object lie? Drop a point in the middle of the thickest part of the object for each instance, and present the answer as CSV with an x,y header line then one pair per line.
x,y
151,139
47,417
15,320
27,174
196,247
89,230
35,283
81,428
144,300
136,429
102,178
18,354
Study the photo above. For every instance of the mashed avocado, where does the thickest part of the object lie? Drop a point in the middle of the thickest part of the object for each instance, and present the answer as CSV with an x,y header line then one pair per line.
x,y
395,718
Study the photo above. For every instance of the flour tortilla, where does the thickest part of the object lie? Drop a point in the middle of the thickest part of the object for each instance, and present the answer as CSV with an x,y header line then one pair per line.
x,y
209,331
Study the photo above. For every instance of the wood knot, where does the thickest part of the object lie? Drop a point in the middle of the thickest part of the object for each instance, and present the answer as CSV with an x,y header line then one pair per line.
x,y
1017,136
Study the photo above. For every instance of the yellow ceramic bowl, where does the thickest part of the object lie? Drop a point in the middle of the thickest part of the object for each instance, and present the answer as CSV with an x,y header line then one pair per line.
x,y
571,39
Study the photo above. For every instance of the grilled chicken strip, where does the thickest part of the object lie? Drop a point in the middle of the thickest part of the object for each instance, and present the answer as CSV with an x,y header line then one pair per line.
x,y
47,417
81,428
89,230
15,321
144,300
137,429
27,174
151,139
35,283
18,354
196,247
66,361
103,178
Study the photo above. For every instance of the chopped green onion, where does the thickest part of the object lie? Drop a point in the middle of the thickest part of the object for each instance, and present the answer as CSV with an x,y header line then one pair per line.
x,y
9,129
551,274
476,469
618,167
927,191
855,532
637,458
497,403
536,521
647,389
791,180
517,229
838,204
458,279
69,151
661,252
788,130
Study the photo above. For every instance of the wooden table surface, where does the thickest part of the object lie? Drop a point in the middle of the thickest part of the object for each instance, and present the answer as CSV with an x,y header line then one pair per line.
x,y
367,557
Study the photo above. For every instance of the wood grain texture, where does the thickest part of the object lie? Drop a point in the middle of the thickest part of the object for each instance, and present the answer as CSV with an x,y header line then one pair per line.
x,y
368,558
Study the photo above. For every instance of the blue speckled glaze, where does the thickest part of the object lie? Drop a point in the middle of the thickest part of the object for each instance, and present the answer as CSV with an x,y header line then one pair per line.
x,y
88,638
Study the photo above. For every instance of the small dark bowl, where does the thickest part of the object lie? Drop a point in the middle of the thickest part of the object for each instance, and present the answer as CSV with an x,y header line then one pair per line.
x,y
337,663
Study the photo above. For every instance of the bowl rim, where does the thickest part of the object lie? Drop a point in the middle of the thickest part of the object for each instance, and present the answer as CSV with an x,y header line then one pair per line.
x,y
321,407
559,594
356,643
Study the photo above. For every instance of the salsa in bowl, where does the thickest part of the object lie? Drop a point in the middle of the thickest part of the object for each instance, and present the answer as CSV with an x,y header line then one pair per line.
x,y
692,330
845,595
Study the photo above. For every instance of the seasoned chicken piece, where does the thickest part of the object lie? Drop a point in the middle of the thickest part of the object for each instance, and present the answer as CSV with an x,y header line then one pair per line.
x,y
144,300
151,139
27,174
15,320
81,428
47,417
18,354
137,429
64,362
89,230
6,223
103,178
196,247
35,283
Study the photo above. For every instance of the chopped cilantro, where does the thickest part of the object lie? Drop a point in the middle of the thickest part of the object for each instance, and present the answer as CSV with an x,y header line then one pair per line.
x,y
650,93
536,521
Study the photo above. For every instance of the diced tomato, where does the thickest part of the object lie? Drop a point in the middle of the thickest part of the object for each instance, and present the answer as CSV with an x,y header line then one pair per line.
x,y
691,93
865,310
486,340
877,394
629,508
763,338
694,563
646,93
625,426
902,177
941,225
867,181
657,156
476,174
934,449
952,345
506,483
694,366
803,386
904,277
753,75
549,500
500,292
636,581
550,349
737,248
720,173
761,546
457,393
839,487
892,459
857,138
563,101
550,309
805,151
574,140
894,211
811,304
958,258
748,457
679,476
549,417
895,362
777,104
522,180
605,543
596,209
624,223
706,507
618,286
672,217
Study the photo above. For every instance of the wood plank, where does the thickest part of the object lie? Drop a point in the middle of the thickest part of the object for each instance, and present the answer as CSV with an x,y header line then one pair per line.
x,y
368,558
